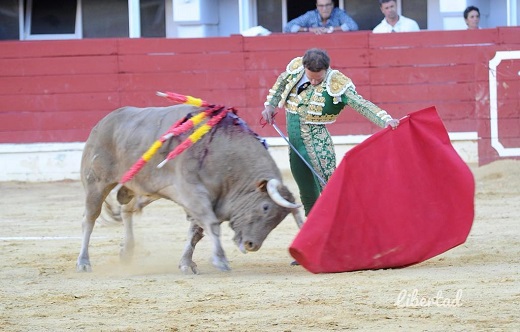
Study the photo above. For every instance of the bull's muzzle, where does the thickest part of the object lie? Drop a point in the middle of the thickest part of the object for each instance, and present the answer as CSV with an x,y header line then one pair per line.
x,y
251,246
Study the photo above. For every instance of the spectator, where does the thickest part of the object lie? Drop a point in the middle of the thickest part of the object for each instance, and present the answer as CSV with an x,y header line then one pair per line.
x,y
472,17
394,22
324,19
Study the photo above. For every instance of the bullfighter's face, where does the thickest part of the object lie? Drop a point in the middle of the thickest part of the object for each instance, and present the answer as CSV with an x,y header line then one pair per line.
x,y
315,77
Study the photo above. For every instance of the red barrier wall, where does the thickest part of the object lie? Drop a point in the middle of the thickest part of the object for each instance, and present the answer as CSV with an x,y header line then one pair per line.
x,y
55,91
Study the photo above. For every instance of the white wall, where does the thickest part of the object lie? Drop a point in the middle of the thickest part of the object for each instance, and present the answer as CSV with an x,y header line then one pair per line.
x,y
450,19
40,161
196,18
229,18
202,18
61,161
497,14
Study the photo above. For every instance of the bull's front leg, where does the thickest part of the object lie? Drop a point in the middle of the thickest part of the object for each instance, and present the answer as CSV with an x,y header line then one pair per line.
x,y
126,252
195,233
219,259
199,208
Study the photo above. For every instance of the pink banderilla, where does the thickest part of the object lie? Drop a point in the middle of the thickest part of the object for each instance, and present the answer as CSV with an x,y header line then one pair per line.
x,y
176,129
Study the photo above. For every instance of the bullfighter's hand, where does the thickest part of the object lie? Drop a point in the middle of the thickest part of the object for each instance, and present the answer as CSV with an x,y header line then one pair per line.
x,y
392,123
268,114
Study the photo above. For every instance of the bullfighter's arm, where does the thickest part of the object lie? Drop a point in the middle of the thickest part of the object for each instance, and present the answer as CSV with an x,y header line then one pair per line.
x,y
366,108
275,93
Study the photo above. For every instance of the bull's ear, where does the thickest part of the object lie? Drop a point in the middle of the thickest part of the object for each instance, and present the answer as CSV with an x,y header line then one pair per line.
x,y
262,185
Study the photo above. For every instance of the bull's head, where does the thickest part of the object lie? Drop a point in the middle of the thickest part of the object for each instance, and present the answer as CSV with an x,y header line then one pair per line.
x,y
263,213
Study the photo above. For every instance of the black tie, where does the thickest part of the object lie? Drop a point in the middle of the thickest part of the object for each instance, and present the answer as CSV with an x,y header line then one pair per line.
x,y
303,87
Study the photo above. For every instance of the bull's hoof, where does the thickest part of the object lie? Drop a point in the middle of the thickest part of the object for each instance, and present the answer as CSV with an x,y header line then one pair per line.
x,y
224,268
126,252
186,270
295,263
83,268
126,256
221,264
189,268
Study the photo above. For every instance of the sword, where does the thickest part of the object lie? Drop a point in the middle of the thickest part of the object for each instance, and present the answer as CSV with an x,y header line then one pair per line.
x,y
323,183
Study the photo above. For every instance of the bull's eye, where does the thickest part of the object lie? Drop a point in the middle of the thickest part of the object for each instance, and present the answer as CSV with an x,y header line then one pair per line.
x,y
265,207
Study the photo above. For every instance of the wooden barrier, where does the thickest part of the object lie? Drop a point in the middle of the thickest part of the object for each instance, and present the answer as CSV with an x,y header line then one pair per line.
x,y
55,91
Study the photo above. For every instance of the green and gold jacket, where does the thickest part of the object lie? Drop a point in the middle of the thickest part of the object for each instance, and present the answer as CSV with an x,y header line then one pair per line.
x,y
320,104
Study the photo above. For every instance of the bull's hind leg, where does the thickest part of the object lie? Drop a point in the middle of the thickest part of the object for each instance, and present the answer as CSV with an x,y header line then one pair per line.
x,y
93,203
127,246
195,233
131,204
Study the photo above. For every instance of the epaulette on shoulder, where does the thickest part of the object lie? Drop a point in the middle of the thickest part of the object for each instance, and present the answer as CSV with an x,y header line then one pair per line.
x,y
295,66
337,83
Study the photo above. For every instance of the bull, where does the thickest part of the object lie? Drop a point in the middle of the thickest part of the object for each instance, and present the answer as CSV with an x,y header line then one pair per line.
x,y
226,176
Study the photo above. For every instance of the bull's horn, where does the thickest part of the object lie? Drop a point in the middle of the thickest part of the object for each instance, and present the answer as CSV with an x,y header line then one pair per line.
x,y
272,190
297,217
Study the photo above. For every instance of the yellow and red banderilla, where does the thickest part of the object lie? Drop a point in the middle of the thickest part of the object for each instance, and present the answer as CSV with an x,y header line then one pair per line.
x,y
176,129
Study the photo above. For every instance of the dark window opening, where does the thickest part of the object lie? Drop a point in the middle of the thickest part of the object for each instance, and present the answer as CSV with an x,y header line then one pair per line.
x,y
153,18
270,15
105,19
9,21
367,14
53,17
418,11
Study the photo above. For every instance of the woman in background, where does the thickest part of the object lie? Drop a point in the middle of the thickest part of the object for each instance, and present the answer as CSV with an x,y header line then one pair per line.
x,y
472,17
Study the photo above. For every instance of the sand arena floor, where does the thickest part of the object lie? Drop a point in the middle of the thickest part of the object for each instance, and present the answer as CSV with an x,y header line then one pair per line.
x,y
40,290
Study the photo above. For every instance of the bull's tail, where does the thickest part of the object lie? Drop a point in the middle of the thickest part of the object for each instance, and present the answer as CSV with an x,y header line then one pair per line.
x,y
110,212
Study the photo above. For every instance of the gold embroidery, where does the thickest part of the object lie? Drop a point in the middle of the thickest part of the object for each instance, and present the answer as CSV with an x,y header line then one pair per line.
x,y
309,105
292,80
316,109
292,102
337,83
295,66
320,149
291,107
327,118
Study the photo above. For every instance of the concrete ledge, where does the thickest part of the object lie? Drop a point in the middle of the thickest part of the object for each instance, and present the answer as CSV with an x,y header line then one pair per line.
x,y
40,161
61,161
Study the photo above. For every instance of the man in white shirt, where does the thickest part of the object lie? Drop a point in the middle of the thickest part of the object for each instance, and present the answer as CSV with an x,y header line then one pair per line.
x,y
394,22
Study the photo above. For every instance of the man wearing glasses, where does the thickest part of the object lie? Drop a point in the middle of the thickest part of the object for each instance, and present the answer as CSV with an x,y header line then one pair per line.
x,y
324,19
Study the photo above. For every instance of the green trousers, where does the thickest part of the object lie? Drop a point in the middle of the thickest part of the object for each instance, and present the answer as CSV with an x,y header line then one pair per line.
x,y
314,143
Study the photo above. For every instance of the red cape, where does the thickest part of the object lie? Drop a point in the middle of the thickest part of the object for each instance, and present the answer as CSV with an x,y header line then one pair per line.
x,y
400,197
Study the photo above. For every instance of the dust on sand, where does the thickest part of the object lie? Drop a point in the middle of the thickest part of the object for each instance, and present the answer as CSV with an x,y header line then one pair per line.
x,y
474,286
